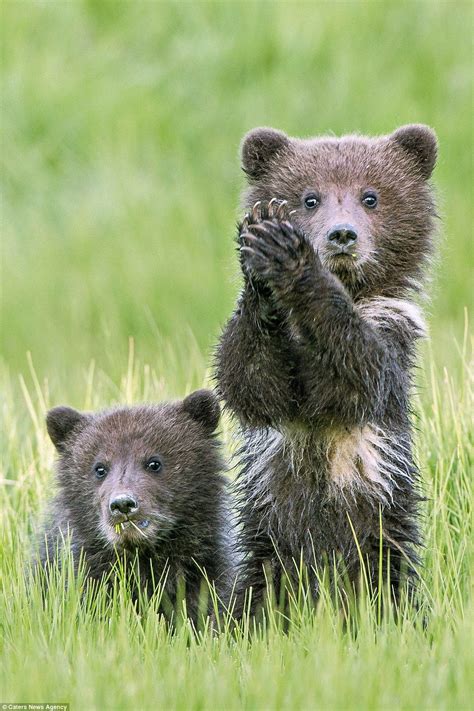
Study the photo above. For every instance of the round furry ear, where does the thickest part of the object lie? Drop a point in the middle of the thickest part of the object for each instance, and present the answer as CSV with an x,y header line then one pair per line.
x,y
203,406
60,421
419,141
258,147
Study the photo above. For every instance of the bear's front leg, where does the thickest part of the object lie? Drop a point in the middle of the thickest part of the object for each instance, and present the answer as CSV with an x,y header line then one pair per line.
x,y
255,360
342,360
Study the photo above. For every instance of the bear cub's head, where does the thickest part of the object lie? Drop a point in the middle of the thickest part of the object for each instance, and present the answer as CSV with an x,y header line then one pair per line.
x,y
132,476
364,203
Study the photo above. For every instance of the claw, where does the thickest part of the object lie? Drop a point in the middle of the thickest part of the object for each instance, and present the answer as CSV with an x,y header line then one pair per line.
x,y
271,211
256,211
281,210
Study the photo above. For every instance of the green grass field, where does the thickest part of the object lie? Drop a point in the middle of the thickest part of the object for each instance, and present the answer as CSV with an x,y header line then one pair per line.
x,y
120,180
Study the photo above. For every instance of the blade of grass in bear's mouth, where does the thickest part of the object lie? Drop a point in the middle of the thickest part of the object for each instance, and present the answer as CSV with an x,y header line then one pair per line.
x,y
141,524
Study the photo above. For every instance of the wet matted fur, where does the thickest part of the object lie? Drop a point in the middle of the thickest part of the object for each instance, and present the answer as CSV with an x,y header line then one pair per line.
x,y
316,361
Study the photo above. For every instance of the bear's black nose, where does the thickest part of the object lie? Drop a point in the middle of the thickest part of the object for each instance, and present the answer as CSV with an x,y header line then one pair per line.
x,y
123,503
342,235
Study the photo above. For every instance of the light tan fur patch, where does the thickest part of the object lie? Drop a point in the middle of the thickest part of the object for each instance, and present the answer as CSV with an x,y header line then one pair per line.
x,y
356,461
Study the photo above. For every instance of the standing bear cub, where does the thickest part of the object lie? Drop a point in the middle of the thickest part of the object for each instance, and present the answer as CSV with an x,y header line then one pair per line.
x,y
142,484
316,361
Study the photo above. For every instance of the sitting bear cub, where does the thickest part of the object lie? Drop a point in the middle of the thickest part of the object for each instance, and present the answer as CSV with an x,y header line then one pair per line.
x,y
316,361
146,482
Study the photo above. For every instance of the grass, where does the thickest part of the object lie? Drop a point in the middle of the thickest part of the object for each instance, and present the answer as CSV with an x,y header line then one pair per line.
x,y
100,655
120,130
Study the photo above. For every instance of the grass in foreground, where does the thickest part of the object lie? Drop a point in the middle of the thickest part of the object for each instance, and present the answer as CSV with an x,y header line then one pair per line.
x,y
105,656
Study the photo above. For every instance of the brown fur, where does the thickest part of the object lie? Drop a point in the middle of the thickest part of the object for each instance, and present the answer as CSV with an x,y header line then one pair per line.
x,y
316,360
339,170
179,517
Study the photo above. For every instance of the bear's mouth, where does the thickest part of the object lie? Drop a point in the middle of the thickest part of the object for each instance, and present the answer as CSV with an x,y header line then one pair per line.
x,y
342,251
343,255
129,526
341,260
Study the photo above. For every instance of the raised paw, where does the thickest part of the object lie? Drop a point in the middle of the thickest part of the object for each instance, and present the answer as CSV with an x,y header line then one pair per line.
x,y
275,252
276,212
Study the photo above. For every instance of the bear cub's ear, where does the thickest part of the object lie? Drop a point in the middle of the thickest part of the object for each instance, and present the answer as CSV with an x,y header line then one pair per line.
x,y
258,147
203,407
60,421
420,142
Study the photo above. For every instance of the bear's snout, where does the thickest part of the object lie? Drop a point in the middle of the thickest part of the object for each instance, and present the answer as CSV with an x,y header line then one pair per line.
x,y
342,237
123,504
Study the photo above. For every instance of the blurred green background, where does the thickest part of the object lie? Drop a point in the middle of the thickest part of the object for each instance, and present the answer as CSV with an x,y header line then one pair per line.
x,y
121,124
120,178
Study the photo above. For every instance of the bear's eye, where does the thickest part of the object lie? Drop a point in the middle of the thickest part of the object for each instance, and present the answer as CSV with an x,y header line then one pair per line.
x,y
101,471
369,199
154,464
312,201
